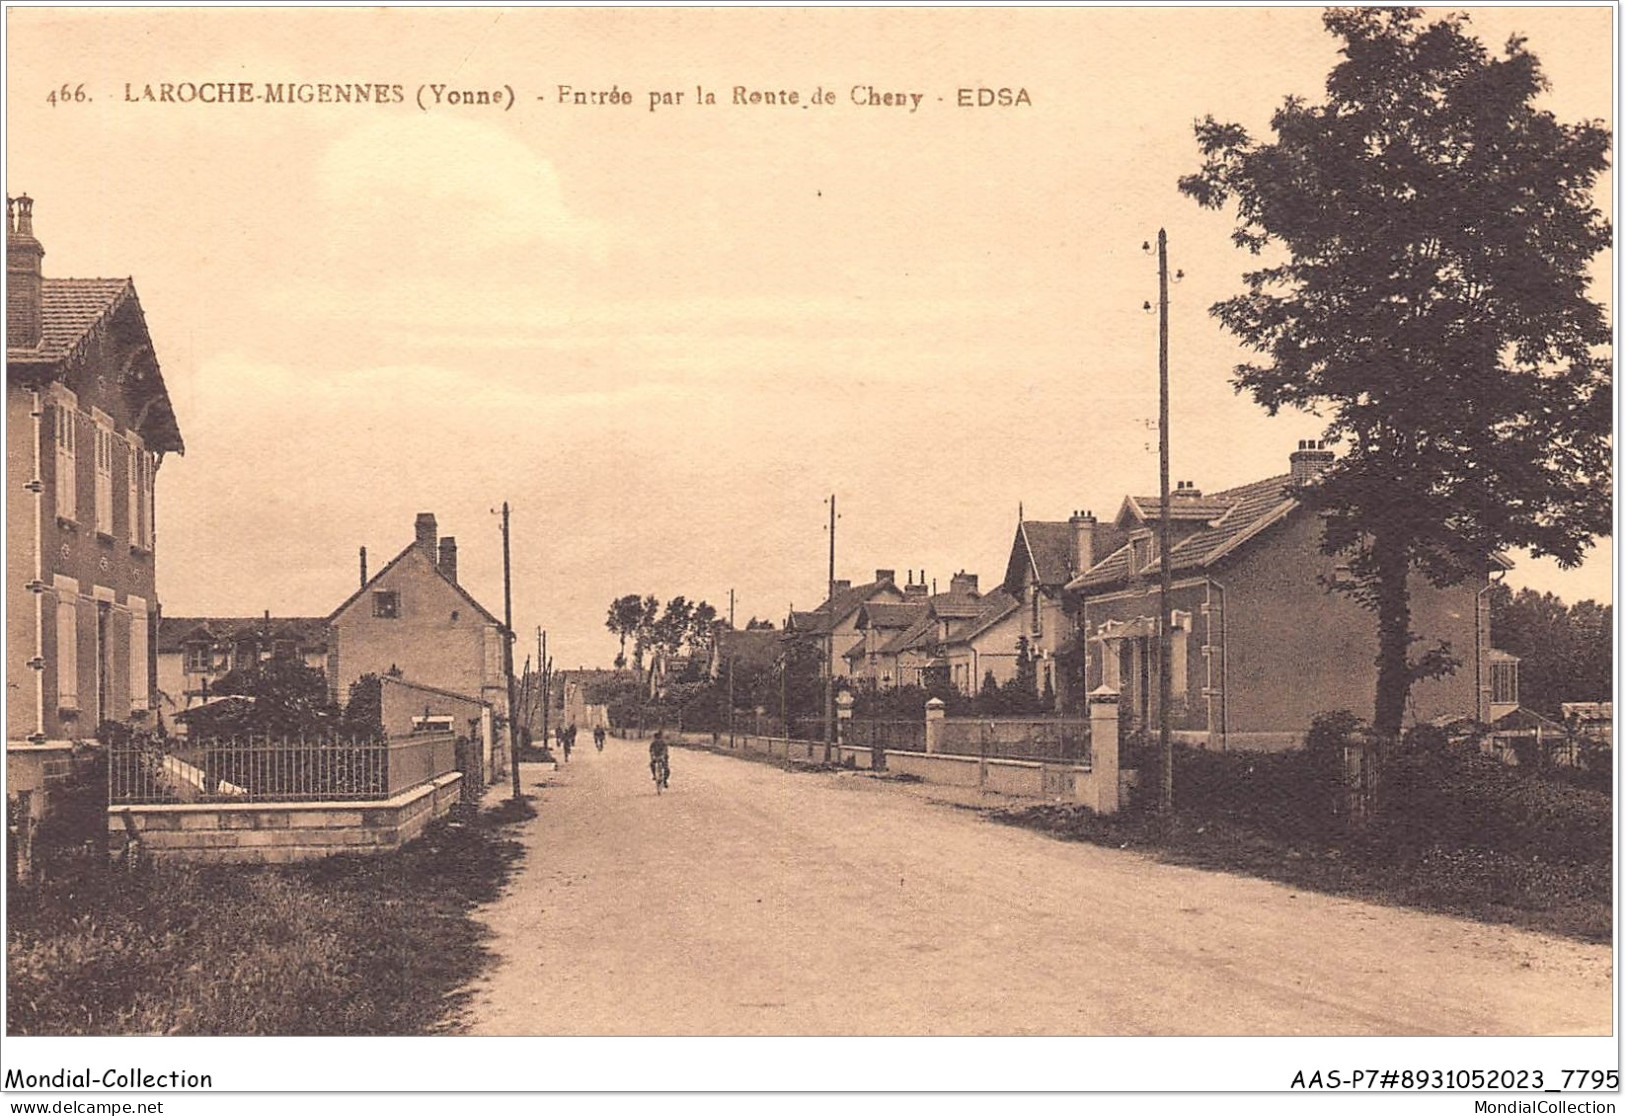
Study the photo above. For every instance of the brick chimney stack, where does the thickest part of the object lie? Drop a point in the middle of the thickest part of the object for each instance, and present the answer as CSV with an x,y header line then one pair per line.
x,y
1309,460
448,559
885,577
23,255
963,584
1083,540
428,536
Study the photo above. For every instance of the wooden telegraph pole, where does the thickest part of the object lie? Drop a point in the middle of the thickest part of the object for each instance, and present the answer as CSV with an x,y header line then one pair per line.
x,y
1165,668
507,647
829,640
733,650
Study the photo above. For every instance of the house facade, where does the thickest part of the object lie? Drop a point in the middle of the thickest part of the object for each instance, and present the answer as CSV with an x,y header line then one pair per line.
x,y
413,620
1259,643
195,652
987,646
1044,557
88,424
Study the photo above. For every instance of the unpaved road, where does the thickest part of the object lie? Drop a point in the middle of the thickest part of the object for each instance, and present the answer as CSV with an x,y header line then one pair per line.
x,y
747,900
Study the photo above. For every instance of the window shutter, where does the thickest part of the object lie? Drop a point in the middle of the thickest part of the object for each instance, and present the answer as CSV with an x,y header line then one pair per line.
x,y
67,653
139,685
67,476
104,478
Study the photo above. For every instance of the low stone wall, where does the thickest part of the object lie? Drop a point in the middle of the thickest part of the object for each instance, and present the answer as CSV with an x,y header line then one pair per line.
x,y
277,833
1021,778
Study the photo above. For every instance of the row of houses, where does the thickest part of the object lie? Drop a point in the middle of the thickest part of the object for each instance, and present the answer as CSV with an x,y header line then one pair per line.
x,y
89,426
1260,640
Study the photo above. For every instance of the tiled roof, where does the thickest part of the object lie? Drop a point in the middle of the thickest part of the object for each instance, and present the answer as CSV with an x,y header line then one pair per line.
x,y
1051,546
956,606
1182,509
921,633
175,632
891,614
996,606
70,309
846,602
73,312
1251,509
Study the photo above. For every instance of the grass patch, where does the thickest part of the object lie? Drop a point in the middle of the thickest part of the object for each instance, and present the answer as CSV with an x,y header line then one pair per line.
x,y
1456,833
349,945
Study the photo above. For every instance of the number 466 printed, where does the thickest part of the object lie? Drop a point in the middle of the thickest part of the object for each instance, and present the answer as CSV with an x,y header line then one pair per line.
x,y
68,95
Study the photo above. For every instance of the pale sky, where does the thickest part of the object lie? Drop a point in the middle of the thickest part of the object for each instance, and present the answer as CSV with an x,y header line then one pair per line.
x,y
666,337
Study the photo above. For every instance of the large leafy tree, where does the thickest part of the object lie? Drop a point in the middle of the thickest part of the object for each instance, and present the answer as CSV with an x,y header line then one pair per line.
x,y
1424,239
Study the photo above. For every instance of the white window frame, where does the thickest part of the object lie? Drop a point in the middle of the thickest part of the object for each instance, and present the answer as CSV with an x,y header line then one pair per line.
x,y
66,442
140,685
104,471
67,649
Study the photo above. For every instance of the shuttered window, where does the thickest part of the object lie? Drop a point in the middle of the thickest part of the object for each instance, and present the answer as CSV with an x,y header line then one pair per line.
x,y
67,653
139,684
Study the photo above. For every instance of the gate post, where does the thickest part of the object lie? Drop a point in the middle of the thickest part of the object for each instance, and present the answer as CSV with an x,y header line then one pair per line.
x,y
1103,748
935,710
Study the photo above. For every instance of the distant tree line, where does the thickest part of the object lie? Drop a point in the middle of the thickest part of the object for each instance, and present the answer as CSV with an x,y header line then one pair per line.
x,y
1566,652
683,624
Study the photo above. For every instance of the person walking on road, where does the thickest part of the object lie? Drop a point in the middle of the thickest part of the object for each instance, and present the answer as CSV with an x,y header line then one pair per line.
x,y
660,761
598,737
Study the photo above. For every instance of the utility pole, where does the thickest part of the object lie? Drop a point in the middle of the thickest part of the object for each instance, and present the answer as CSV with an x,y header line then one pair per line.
x,y
1165,667
829,641
507,648
733,650
547,683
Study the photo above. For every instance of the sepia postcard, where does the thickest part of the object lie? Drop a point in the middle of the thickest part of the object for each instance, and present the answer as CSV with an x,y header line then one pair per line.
x,y
798,549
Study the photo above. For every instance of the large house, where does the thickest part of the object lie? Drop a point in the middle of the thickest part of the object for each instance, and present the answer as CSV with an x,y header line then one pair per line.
x,y
414,621
88,423
833,625
1260,641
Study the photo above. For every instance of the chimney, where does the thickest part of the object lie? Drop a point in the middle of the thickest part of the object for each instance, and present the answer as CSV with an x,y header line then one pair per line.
x,y
428,533
1188,490
885,577
1083,540
23,255
448,559
840,586
363,567
913,590
1309,460
963,584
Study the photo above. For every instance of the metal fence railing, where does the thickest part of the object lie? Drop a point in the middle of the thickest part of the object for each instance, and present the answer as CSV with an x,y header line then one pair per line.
x,y
275,769
899,735
1027,738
